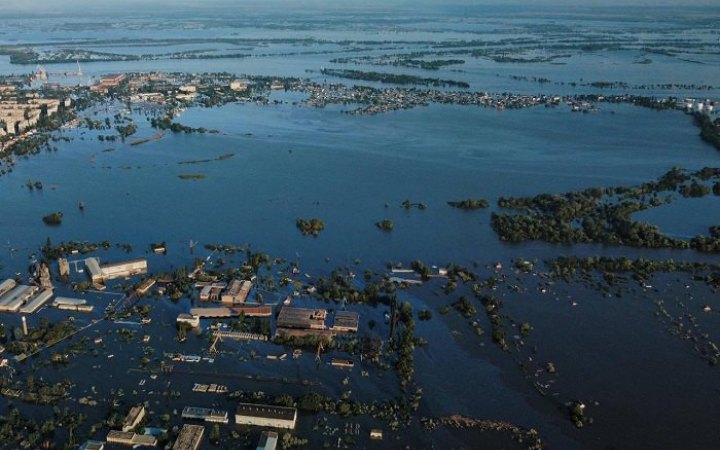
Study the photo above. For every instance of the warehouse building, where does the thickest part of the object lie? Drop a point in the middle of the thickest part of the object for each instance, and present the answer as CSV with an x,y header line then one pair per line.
x,y
302,318
133,418
189,438
346,321
266,415
237,292
6,286
268,441
99,273
13,300
206,414
36,302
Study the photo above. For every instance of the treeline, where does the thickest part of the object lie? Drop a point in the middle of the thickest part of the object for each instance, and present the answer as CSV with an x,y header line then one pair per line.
x,y
603,216
709,129
393,78
166,123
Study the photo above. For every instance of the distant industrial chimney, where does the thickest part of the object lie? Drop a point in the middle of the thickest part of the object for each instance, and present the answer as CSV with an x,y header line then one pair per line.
x,y
24,325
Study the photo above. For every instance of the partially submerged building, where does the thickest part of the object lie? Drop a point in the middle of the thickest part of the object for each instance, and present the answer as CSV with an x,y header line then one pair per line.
x,y
130,438
6,286
302,318
133,418
205,414
266,415
36,302
237,292
189,438
18,296
346,321
194,321
99,274
268,441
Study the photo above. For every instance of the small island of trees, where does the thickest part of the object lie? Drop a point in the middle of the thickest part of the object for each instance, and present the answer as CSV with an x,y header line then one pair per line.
x,y
385,225
53,218
310,226
470,204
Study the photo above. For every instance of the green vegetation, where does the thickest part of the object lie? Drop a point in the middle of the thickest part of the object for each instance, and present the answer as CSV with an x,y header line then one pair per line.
x,y
424,315
407,204
709,129
470,204
464,306
642,269
599,215
310,226
406,345
166,123
192,176
53,218
385,225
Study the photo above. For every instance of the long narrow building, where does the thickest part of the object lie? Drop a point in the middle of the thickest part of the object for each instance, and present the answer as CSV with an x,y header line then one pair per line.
x,y
189,438
36,302
13,300
266,415
6,286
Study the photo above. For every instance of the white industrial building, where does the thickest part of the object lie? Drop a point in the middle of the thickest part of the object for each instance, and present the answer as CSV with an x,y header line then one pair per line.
x,y
266,415
111,271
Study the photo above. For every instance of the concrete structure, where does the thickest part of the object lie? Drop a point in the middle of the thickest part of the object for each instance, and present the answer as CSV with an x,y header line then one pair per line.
x,y
238,85
36,302
145,286
107,82
78,308
124,269
130,438
92,445
99,274
206,414
6,286
240,335
247,310
13,300
268,441
93,268
302,318
252,310
237,292
68,301
187,318
189,438
133,418
266,415
346,321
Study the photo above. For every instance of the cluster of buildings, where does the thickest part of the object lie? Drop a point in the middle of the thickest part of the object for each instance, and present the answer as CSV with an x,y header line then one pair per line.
x,y
20,298
393,99
108,82
20,113
158,87
293,321
235,293
27,299
191,434
101,273
704,106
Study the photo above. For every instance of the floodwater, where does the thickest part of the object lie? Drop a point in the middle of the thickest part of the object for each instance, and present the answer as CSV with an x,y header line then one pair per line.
x,y
645,387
